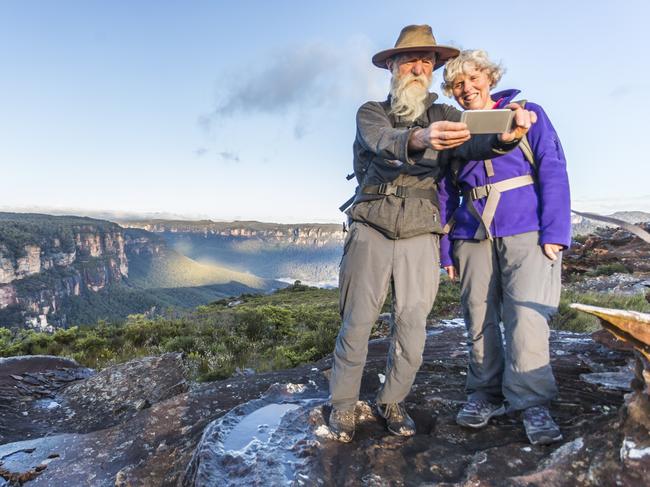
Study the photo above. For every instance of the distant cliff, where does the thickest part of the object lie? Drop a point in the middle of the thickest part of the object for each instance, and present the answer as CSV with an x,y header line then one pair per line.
x,y
53,268
584,226
308,251
302,234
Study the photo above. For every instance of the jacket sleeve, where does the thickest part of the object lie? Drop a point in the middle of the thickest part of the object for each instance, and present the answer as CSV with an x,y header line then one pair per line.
x,y
449,199
552,181
480,147
376,134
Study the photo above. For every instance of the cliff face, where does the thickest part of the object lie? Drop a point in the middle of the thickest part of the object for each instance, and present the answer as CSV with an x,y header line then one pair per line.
x,y
142,243
306,235
45,259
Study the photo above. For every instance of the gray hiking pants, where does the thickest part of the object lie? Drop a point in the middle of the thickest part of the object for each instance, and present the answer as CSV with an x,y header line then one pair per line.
x,y
509,280
372,262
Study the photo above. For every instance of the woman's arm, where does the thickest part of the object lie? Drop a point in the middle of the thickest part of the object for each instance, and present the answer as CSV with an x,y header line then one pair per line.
x,y
552,181
449,198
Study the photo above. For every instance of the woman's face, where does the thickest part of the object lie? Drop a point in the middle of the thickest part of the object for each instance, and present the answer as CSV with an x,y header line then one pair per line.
x,y
472,90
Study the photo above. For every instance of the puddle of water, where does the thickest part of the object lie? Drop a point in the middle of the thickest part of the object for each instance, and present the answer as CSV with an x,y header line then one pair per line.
x,y
259,425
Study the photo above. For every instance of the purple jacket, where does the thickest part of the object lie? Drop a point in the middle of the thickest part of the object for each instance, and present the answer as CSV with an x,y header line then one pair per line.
x,y
544,206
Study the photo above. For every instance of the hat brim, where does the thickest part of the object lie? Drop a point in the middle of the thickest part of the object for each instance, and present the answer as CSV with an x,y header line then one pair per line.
x,y
443,54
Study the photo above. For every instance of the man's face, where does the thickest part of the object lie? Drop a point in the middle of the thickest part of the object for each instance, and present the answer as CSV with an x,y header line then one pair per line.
x,y
416,65
412,75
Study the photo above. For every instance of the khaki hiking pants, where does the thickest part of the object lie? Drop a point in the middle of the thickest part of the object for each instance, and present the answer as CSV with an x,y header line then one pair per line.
x,y
509,280
370,264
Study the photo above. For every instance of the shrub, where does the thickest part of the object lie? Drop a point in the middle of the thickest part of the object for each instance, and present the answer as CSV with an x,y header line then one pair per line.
x,y
609,269
572,320
185,344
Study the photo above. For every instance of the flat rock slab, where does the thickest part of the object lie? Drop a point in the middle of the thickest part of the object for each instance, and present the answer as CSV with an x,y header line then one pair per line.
x,y
115,394
28,390
228,430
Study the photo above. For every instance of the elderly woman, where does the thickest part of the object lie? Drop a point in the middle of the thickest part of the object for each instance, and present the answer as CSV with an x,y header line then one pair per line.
x,y
506,240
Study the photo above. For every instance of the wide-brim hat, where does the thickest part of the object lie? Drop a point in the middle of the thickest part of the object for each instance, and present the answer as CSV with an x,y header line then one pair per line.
x,y
416,38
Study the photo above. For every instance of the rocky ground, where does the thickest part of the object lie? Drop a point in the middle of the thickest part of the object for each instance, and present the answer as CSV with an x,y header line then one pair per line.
x,y
144,424
609,260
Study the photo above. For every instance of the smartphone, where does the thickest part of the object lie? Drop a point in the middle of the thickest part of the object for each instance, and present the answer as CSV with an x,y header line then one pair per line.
x,y
487,121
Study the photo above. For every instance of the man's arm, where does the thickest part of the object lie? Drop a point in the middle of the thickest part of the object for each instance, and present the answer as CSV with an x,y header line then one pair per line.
x,y
376,134
439,136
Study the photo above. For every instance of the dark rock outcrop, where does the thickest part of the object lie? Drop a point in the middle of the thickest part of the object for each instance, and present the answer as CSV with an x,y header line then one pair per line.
x,y
608,246
248,431
632,329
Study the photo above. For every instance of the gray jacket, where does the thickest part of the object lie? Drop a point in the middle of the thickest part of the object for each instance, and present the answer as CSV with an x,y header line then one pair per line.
x,y
381,156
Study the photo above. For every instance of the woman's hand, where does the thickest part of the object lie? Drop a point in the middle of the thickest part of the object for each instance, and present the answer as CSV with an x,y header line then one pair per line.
x,y
523,120
551,250
451,272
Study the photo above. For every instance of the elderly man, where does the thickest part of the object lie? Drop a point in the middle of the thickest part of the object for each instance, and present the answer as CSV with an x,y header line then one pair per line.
x,y
402,147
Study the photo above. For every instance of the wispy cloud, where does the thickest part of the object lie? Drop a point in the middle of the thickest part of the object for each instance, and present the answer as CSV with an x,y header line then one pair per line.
x,y
200,151
296,77
298,82
228,156
625,90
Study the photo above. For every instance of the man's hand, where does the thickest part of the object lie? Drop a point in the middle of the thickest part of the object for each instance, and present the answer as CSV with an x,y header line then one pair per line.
x,y
521,123
439,136
550,250
451,272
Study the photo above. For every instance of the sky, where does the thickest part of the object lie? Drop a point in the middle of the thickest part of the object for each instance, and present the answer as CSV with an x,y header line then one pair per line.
x,y
245,110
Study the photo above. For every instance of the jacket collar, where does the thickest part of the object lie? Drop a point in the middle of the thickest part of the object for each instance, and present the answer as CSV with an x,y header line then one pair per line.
x,y
507,95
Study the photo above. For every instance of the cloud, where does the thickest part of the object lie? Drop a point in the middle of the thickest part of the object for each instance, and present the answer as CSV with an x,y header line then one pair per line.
x,y
625,90
293,89
293,78
299,81
228,156
200,151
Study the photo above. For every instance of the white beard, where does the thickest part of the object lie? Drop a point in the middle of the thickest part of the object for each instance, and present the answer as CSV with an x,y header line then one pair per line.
x,y
408,97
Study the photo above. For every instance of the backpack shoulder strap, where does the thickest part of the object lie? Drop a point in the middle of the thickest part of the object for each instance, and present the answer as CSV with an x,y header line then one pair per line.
x,y
524,145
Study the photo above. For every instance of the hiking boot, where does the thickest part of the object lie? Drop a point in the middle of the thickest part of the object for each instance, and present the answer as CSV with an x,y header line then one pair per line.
x,y
477,412
540,427
342,424
397,419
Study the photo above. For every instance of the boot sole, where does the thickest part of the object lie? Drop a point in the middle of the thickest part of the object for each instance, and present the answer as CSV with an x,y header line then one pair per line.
x,y
397,433
545,440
